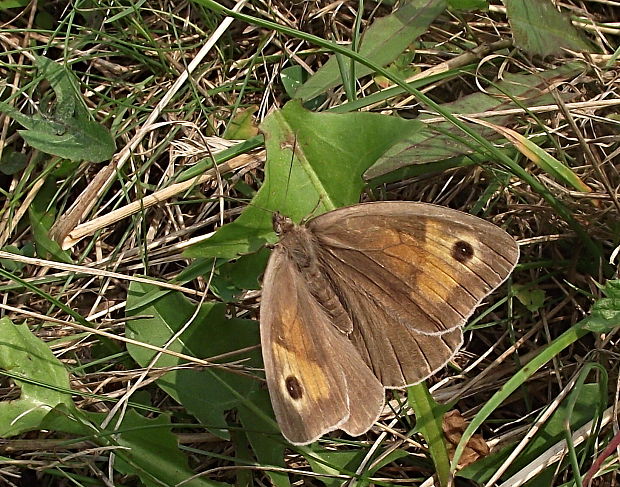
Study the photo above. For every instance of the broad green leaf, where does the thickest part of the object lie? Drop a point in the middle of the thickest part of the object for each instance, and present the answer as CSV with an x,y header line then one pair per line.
x,y
145,447
467,5
68,131
335,462
540,29
45,403
531,297
4,4
381,43
347,461
230,279
12,162
39,375
242,272
315,163
292,77
204,393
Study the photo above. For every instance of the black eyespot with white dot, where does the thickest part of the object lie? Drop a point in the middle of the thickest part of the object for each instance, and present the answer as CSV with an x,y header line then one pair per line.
x,y
293,386
462,251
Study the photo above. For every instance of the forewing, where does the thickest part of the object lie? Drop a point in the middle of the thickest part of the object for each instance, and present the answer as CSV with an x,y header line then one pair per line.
x,y
410,275
317,380
427,266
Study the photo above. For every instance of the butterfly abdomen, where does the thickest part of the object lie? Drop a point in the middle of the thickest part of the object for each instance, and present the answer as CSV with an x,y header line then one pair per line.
x,y
300,244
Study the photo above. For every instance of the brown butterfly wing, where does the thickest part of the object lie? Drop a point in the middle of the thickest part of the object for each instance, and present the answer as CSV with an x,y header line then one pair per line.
x,y
316,378
397,354
410,274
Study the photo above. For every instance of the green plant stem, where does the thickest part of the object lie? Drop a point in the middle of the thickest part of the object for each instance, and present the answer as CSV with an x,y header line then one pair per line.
x,y
428,421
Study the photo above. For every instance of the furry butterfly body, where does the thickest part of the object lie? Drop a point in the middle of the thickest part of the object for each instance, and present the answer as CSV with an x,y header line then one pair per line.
x,y
368,297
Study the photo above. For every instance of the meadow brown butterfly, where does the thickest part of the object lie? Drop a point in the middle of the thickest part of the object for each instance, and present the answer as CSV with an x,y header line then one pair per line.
x,y
368,297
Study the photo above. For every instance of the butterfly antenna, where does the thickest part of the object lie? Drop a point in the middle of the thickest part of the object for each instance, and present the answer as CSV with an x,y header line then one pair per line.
x,y
290,168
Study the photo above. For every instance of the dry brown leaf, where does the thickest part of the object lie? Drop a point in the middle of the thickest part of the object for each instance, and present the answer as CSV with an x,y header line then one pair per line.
x,y
453,426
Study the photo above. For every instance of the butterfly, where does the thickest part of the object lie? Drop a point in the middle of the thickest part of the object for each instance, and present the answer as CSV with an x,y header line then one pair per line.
x,y
369,297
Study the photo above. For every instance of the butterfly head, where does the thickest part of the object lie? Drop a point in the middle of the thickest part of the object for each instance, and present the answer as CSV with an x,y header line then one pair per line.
x,y
281,224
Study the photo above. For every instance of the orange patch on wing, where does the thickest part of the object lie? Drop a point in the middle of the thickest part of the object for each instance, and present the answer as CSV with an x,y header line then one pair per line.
x,y
441,241
436,282
380,238
296,354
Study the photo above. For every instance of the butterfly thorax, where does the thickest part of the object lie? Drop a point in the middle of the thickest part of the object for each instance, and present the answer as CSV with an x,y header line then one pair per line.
x,y
299,244
302,247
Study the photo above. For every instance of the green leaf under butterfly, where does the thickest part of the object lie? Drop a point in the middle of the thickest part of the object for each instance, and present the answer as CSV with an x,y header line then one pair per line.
x,y
321,157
